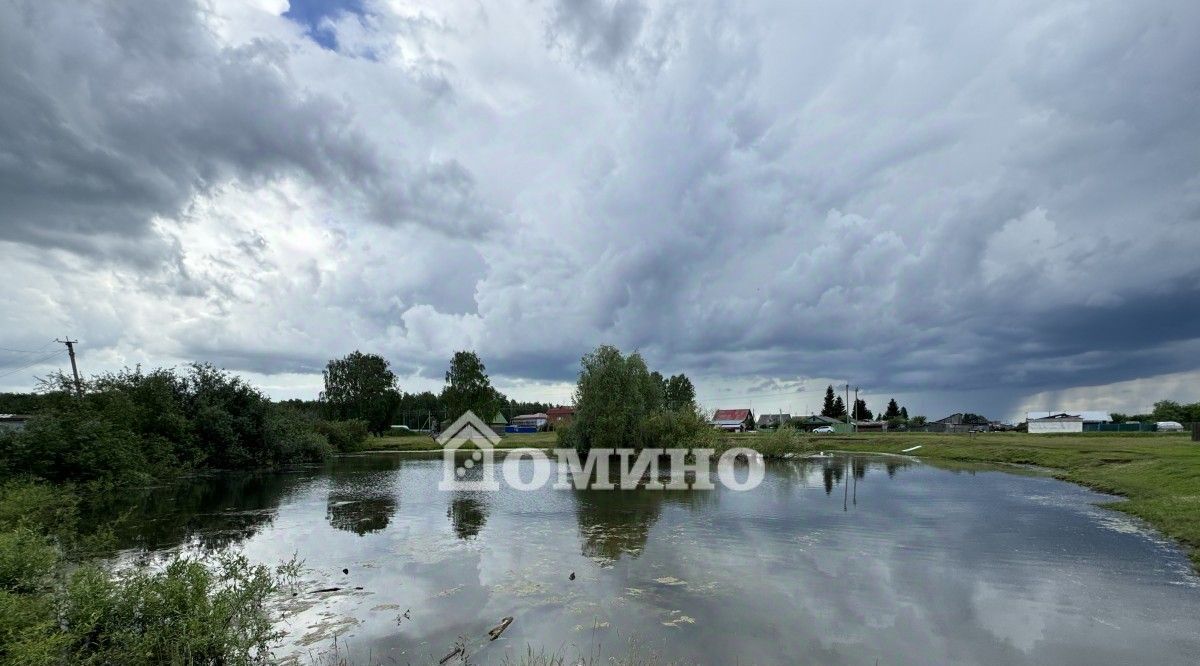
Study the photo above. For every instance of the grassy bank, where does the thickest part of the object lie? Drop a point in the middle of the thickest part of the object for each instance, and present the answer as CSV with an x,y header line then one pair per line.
x,y
420,442
1157,474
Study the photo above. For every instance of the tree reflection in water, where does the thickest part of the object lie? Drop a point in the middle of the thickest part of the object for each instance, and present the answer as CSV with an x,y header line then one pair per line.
x,y
360,503
210,513
613,523
468,513
468,510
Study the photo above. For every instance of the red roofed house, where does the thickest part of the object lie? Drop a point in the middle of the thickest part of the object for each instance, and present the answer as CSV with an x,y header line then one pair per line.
x,y
734,420
560,416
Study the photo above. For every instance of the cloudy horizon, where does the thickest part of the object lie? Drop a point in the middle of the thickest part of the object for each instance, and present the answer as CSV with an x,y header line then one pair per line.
x,y
968,207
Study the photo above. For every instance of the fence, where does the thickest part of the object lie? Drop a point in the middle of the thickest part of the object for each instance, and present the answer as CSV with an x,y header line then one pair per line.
x,y
1128,426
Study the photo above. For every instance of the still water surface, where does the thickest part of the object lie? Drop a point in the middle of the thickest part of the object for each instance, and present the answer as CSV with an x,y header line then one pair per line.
x,y
844,561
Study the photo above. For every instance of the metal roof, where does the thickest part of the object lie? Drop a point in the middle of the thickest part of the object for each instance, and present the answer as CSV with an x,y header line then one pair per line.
x,y
1086,415
731,415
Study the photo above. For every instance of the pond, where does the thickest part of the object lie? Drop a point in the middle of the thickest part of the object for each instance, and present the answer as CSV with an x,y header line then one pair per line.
x,y
848,560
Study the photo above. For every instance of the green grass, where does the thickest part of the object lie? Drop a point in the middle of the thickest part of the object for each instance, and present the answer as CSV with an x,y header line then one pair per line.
x,y
420,442
1157,474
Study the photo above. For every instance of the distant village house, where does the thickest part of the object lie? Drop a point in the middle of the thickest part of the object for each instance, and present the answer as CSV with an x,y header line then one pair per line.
x,y
772,420
527,423
733,420
959,422
560,416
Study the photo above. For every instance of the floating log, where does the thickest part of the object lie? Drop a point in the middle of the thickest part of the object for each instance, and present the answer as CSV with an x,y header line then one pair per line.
x,y
495,631
325,589
458,649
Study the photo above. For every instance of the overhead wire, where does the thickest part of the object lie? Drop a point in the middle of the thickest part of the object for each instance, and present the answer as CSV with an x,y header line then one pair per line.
x,y
28,351
32,363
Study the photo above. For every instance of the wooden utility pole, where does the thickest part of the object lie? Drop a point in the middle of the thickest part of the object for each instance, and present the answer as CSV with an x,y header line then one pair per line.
x,y
857,416
849,408
74,368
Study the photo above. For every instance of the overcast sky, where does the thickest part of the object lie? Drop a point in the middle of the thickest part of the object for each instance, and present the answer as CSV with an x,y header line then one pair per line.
x,y
974,206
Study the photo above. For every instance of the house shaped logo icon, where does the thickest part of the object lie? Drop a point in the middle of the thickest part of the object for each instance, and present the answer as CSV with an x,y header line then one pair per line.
x,y
468,456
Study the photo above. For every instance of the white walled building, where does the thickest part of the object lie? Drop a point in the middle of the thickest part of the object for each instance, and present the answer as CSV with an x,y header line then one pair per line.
x,y
1056,423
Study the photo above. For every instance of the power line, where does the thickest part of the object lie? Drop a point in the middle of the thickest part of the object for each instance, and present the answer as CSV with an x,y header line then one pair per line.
x,y
32,363
28,351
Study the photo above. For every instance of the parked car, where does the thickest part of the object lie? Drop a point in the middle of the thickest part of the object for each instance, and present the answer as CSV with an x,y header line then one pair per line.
x,y
823,430
1169,426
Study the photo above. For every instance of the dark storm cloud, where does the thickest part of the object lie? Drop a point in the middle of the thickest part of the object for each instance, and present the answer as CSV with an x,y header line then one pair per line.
x,y
919,196
115,113
968,199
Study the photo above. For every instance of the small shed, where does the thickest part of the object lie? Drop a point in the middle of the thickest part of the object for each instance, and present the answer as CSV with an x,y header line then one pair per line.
x,y
498,422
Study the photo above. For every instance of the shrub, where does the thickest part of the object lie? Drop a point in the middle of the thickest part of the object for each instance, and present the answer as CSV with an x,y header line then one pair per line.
x,y
29,631
134,426
26,561
40,507
291,437
344,436
188,613
568,437
77,442
54,611
784,439
682,428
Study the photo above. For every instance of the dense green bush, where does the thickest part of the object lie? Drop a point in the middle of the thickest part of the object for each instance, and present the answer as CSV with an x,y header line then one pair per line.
x,y
679,428
134,426
568,437
344,436
188,613
54,610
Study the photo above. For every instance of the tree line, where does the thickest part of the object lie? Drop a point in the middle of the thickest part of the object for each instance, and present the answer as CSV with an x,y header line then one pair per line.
x,y
363,386
834,407
1164,410
135,426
